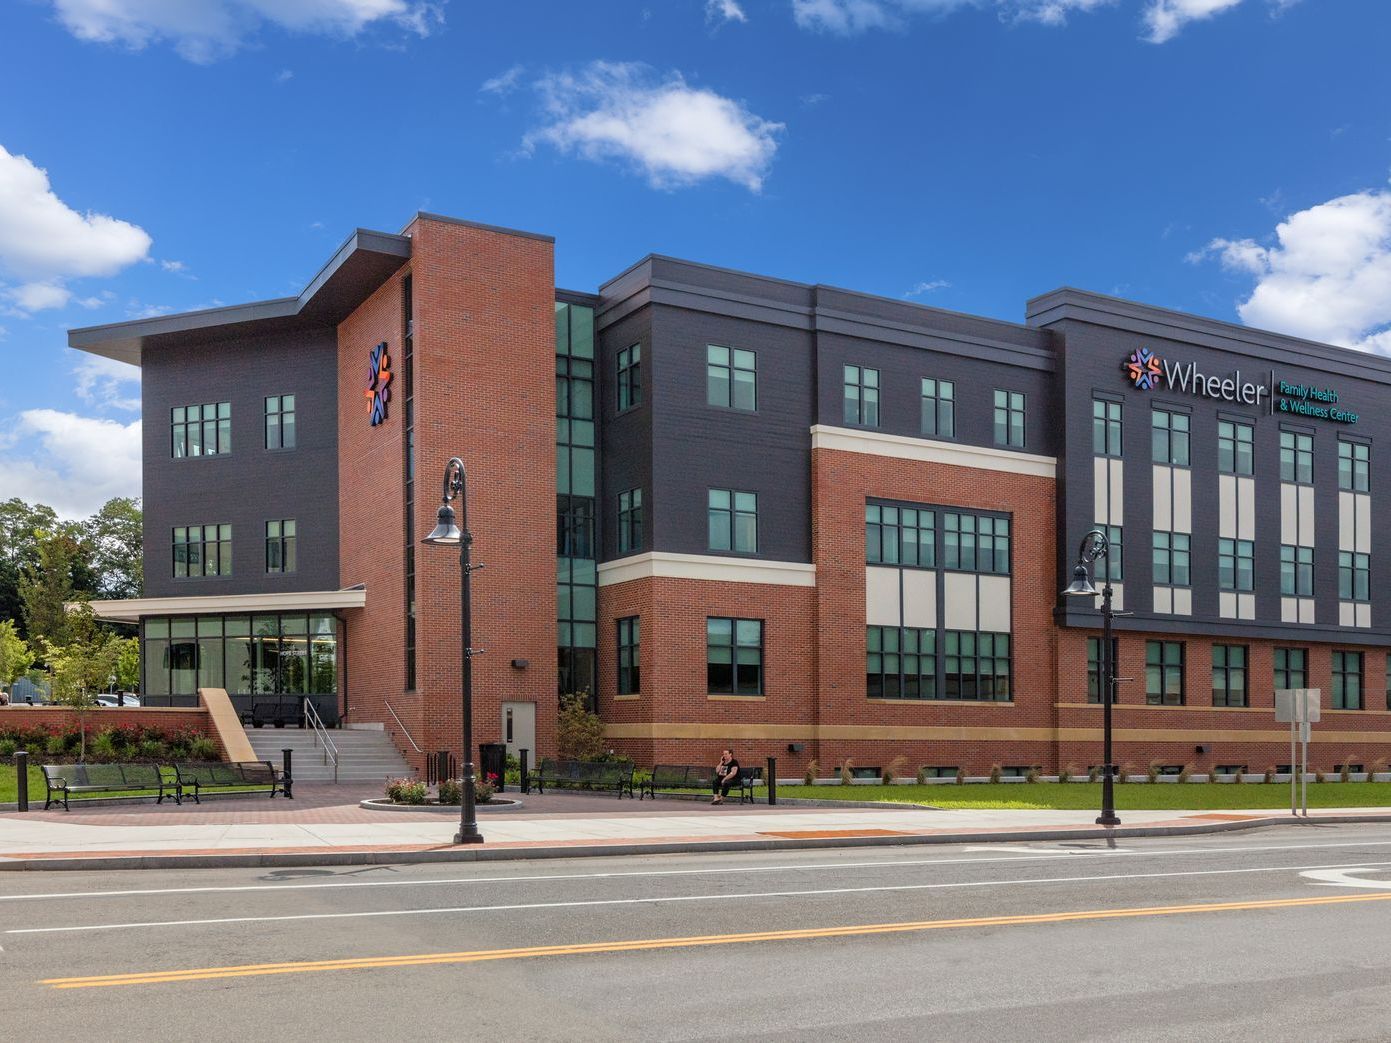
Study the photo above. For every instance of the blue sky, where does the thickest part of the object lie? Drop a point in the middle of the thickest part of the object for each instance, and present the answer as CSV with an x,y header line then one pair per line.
x,y
1228,157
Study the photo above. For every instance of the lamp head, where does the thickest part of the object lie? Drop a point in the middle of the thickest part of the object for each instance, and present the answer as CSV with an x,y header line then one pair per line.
x,y
1081,585
446,532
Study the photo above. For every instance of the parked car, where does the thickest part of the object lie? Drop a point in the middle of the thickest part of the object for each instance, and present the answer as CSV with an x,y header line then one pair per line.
x,y
113,700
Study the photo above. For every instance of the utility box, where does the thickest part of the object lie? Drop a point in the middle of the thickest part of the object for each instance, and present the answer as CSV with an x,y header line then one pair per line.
x,y
492,762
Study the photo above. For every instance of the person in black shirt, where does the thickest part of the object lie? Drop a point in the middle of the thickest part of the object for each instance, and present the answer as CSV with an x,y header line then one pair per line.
x,y
726,775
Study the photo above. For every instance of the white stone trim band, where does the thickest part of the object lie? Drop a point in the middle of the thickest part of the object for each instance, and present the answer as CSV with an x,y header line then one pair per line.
x,y
131,609
707,567
928,450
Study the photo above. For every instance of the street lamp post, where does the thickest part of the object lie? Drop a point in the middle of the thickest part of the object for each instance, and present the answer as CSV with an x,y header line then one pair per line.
x,y
1095,545
446,534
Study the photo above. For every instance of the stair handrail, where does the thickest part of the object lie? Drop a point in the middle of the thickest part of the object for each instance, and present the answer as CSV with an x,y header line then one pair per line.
x,y
409,738
311,714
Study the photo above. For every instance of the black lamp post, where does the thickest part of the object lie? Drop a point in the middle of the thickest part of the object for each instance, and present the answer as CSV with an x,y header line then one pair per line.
x,y
446,534
1095,545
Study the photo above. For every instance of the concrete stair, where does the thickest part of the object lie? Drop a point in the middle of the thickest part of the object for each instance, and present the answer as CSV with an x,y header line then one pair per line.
x,y
363,755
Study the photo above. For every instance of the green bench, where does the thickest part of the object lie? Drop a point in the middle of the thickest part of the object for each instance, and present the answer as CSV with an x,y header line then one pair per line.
x,y
78,780
593,774
690,776
216,775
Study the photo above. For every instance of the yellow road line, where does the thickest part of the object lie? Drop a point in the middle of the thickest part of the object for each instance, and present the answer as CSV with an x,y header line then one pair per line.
x,y
592,948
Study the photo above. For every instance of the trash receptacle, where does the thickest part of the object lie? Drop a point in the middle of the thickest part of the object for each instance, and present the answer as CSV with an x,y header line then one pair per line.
x,y
492,761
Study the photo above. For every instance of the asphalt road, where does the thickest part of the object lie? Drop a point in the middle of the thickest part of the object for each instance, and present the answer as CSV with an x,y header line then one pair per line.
x,y
1280,934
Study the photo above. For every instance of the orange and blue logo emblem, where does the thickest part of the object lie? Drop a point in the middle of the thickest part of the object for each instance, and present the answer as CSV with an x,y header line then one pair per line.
x,y
1143,368
378,392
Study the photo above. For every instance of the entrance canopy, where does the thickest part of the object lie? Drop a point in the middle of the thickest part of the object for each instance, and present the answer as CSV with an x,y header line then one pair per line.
x,y
132,610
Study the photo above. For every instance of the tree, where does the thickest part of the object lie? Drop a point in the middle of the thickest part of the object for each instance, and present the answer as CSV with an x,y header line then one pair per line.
x,y
128,665
114,538
19,528
47,586
79,670
579,733
15,655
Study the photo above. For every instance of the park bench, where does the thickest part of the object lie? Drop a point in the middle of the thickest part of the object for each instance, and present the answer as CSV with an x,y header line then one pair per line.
x,y
215,775
277,712
76,780
690,776
592,774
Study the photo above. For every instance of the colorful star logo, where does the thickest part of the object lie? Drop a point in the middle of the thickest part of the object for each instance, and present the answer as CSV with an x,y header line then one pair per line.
x,y
1143,368
378,392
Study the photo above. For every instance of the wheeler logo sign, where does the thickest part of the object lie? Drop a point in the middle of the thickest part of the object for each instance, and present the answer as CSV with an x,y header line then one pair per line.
x,y
378,390
1143,367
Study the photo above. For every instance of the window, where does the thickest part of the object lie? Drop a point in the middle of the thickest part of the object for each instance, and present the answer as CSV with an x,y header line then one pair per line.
x,y
629,635
280,546
201,430
1171,559
975,543
1229,687
1354,576
280,422
630,521
976,666
938,771
1234,453
733,518
1296,457
1291,668
899,536
1112,566
1094,666
202,550
1106,427
630,377
861,396
1296,571
1169,432
900,663
938,408
289,654
730,378
1353,466
574,526
1236,565
1347,680
1009,418
734,656
1164,673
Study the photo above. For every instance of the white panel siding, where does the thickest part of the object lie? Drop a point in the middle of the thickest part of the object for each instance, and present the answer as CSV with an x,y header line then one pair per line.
x,y
1364,615
1183,601
1183,500
1226,605
995,604
1163,499
1118,597
1100,489
1289,610
882,608
1289,515
1306,516
1363,510
1117,491
1226,507
919,598
1246,606
1347,523
1347,614
1164,599
1306,610
1246,508
959,590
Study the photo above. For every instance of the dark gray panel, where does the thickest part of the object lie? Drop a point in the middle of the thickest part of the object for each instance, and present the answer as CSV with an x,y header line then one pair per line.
x,y
625,458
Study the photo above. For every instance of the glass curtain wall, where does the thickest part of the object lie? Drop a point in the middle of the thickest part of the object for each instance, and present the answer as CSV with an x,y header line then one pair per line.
x,y
576,544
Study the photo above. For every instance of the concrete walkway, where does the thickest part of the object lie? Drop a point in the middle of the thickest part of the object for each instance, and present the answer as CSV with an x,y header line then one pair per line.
x,y
327,826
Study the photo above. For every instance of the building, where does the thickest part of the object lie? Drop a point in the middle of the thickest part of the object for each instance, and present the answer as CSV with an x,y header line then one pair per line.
x,y
800,520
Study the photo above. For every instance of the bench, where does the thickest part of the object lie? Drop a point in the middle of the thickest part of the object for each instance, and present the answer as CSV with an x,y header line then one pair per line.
x,y
594,774
73,780
215,775
689,776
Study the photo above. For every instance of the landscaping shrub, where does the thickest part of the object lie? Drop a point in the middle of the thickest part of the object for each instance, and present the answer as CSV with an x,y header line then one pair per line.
x,y
893,771
1094,773
1124,775
1269,775
922,775
483,789
1185,772
579,733
961,776
1319,777
1032,775
846,775
1066,774
406,791
1345,775
201,748
1152,772
450,791
809,776
996,773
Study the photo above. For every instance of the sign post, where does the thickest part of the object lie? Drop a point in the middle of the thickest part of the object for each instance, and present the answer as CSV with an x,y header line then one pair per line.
x,y
1300,707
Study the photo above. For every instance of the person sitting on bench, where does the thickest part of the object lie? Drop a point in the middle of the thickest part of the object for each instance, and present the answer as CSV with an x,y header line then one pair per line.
x,y
726,776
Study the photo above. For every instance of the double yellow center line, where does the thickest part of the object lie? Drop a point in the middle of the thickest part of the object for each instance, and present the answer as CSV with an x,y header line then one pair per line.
x,y
594,948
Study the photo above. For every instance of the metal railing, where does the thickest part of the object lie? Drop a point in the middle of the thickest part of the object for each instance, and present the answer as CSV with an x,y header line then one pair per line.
x,y
311,714
402,725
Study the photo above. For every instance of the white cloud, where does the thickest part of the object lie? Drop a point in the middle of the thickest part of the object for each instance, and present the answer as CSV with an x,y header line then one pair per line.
x,y
1328,275
843,17
1053,12
676,134
73,463
1165,19
106,382
929,286
724,11
503,83
284,76
44,242
172,266
205,30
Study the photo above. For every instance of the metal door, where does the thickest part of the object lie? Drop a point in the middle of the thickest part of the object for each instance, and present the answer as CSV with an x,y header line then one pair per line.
x,y
519,728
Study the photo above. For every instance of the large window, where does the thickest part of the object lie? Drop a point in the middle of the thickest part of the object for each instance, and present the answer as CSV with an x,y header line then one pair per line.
x,y
1236,565
1172,559
280,545
1094,667
975,543
1354,466
1112,566
731,378
1009,418
1354,576
938,408
976,666
1164,673
1169,432
575,481
280,422
204,430
629,639
575,526
630,377
1296,571
246,655
202,550
734,656
1229,675
630,521
901,663
1106,427
861,396
1234,448
900,536
1291,668
733,521
1296,457
1347,680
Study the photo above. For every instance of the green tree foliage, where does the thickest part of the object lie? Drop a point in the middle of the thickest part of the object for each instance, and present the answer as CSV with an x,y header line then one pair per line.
x,y
48,585
15,655
579,733
80,669
128,665
19,526
114,543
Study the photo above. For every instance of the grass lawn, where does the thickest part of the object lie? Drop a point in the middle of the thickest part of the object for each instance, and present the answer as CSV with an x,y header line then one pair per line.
x,y
1131,796
8,787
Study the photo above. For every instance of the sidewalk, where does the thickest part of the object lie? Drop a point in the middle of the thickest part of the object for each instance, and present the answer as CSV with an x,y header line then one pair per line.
x,y
325,826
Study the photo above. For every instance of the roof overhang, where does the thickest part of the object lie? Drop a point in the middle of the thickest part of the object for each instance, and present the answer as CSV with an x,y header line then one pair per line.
x,y
365,261
132,610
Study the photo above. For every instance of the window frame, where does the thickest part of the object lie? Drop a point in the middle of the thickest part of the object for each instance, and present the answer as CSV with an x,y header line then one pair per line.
x,y
1169,548
284,544
221,540
860,409
940,401
628,641
1007,410
1175,431
731,367
219,426
1232,436
893,646
1342,673
1238,697
1231,554
734,646
1094,669
1167,671
280,413
631,517
1108,433
1296,567
1285,654
733,513
628,377
1354,466
1296,457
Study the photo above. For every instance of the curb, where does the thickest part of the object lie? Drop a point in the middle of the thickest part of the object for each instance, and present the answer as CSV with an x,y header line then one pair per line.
x,y
330,857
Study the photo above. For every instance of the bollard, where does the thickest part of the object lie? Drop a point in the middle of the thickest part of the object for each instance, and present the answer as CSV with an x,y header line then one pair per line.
x,y
521,759
772,770
21,771
288,783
